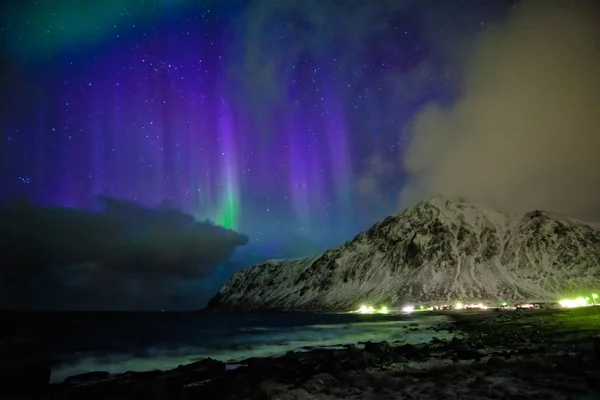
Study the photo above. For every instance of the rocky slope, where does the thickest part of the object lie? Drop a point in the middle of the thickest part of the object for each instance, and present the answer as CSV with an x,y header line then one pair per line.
x,y
440,250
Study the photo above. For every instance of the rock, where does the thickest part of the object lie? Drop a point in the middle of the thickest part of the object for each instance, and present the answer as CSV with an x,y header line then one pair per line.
x,y
333,366
102,389
296,394
479,382
467,353
87,377
478,366
407,349
407,369
155,387
496,362
380,349
569,366
207,366
358,359
269,389
437,343
321,383
504,354
361,383
593,379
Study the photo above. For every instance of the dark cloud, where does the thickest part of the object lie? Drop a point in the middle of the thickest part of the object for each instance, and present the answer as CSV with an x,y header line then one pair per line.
x,y
524,133
126,256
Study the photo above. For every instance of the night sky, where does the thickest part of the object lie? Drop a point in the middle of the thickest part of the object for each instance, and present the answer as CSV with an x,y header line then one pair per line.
x,y
300,121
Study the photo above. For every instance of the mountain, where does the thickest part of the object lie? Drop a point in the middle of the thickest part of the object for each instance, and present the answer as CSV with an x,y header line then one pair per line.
x,y
438,251
286,246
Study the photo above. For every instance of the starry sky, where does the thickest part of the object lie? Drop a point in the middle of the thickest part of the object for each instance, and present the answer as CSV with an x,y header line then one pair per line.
x,y
308,120
261,116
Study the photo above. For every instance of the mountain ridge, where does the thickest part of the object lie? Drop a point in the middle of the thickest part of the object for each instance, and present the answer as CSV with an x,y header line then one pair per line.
x,y
439,250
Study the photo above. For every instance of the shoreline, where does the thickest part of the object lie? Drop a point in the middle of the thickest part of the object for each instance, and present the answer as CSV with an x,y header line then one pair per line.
x,y
506,354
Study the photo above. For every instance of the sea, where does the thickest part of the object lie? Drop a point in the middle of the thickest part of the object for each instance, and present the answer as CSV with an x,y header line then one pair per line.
x,y
116,342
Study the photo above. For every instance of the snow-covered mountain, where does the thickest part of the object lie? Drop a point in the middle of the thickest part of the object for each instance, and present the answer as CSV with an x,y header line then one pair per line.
x,y
440,250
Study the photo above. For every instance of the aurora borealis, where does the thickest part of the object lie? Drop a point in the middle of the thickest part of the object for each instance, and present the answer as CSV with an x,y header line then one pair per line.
x,y
257,115
299,122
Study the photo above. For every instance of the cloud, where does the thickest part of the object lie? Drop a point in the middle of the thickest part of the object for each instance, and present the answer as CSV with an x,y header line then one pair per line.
x,y
125,256
525,132
369,182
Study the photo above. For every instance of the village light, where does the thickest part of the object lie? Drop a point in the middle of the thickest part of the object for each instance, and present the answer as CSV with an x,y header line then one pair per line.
x,y
408,309
572,303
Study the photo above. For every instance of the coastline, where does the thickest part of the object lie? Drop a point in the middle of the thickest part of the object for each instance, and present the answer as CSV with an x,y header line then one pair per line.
x,y
507,354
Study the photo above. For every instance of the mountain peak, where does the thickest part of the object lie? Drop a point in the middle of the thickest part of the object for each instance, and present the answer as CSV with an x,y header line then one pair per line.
x,y
449,211
452,204
438,251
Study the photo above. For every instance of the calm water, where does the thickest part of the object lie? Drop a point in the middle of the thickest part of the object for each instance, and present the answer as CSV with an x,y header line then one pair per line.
x,y
119,342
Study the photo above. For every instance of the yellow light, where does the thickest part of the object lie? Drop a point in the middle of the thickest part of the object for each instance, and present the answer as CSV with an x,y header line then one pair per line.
x,y
572,303
458,306
594,296
363,309
384,310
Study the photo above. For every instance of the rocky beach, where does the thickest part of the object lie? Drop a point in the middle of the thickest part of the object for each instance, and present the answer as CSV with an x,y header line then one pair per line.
x,y
529,354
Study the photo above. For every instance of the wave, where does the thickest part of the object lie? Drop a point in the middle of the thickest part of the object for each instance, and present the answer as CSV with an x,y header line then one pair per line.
x,y
248,342
252,329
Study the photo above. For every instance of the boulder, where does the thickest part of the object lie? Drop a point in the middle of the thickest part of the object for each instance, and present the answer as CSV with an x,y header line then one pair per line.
x,y
321,383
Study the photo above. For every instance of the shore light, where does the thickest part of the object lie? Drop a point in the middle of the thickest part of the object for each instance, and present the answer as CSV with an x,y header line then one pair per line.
x,y
572,303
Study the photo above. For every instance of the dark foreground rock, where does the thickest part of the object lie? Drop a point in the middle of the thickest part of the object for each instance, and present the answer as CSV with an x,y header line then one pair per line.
x,y
31,379
493,356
